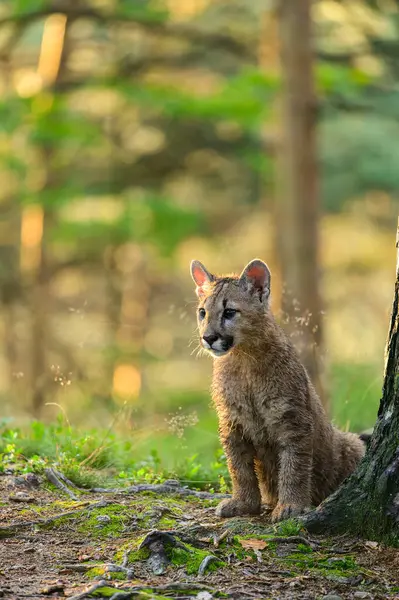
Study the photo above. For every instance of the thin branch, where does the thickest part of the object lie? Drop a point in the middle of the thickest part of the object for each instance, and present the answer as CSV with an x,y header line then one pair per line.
x,y
88,592
294,539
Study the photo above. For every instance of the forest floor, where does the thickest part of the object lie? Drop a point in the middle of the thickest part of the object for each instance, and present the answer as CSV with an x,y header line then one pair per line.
x,y
157,542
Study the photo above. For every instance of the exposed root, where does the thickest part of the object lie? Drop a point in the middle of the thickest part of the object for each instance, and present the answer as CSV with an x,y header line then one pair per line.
x,y
295,539
156,542
169,487
55,478
204,565
134,591
90,590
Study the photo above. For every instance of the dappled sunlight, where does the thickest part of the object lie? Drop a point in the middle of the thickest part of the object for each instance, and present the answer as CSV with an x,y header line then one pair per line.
x,y
126,382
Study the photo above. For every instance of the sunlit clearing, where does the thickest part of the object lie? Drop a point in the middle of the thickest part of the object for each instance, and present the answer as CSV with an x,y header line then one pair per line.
x,y
126,382
31,236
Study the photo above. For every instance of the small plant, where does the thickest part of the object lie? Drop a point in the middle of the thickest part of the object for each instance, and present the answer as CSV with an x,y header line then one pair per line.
x,y
289,527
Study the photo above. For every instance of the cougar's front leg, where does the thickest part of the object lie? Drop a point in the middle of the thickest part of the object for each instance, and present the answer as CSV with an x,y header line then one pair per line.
x,y
294,480
240,455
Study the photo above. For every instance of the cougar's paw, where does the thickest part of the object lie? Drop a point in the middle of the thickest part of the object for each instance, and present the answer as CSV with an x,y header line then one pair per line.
x,y
236,508
286,511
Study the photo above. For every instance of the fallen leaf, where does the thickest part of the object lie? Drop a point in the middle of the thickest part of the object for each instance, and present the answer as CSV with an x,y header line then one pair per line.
x,y
253,544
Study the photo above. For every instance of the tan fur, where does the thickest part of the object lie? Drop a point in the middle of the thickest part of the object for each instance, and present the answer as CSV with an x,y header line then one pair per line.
x,y
280,447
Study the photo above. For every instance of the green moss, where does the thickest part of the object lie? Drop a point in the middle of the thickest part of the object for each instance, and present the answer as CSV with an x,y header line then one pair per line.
x,y
95,572
166,523
133,551
139,554
104,592
304,549
101,571
91,523
321,564
192,559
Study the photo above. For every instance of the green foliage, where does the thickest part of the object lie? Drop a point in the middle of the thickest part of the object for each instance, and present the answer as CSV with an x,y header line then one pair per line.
x,y
144,11
22,7
289,527
368,145
104,455
355,404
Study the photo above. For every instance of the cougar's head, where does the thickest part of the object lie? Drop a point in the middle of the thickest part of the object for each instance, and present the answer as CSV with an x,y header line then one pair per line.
x,y
230,309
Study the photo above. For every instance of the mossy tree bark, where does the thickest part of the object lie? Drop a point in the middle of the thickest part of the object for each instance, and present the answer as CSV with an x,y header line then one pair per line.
x,y
368,502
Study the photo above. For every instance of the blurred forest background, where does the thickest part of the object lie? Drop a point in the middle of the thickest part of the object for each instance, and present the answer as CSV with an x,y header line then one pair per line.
x,y
136,135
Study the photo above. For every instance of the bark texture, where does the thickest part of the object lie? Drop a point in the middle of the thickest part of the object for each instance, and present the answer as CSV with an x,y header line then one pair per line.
x,y
297,207
368,502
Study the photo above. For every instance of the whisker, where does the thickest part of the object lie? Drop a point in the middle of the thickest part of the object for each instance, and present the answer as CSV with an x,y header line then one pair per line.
x,y
197,347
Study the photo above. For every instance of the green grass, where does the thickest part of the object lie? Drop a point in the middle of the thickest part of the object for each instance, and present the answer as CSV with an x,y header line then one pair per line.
x,y
355,395
109,456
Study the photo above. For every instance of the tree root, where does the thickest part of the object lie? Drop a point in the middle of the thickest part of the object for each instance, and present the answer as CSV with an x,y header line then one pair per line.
x,y
295,539
55,477
131,592
168,487
207,560
90,590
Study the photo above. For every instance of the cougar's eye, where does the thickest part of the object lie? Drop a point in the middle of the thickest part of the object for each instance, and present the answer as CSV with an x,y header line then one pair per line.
x,y
229,313
201,314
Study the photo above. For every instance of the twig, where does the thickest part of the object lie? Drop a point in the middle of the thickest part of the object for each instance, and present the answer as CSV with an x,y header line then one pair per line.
x,y
55,479
204,564
295,539
90,590
219,538
176,586
78,568
168,487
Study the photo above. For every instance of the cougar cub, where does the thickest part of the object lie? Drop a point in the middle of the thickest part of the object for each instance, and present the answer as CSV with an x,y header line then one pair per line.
x,y
280,447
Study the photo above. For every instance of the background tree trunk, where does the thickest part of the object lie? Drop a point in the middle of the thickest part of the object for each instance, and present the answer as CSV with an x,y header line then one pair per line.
x,y
297,210
368,503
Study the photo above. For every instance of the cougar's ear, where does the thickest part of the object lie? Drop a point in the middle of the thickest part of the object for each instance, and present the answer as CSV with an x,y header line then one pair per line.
x,y
256,278
201,277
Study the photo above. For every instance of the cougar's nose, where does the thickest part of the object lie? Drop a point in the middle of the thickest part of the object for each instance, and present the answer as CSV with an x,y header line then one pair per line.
x,y
209,339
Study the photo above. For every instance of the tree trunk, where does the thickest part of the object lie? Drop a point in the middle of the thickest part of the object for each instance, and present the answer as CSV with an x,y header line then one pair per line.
x,y
368,502
297,210
51,67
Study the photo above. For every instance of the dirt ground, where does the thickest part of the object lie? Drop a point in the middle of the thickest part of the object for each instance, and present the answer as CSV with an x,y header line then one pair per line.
x,y
146,544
